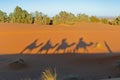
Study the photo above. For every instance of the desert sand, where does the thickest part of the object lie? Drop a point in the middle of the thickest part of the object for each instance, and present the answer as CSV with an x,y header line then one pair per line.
x,y
98,63
15,37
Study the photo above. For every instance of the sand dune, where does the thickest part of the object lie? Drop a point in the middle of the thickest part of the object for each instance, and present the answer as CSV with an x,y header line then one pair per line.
x,y
15,37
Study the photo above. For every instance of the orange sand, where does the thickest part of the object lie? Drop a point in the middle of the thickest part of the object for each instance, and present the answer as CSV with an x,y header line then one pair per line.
x,y
15,37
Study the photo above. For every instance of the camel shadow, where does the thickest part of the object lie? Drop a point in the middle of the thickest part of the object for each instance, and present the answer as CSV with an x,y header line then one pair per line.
x,y
83,45
63,46
29,48
48,45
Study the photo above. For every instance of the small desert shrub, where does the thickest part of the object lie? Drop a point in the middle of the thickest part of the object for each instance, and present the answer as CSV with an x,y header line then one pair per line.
x,y
104,20
94,19
64,18
48,74
117,21
82,17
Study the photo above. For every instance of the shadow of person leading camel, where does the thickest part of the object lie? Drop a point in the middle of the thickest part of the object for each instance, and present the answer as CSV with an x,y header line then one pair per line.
x,y
29,48
82,44
108,47
47,47
63,46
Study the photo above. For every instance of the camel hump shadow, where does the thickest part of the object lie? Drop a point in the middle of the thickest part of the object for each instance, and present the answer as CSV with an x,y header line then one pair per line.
x,y
63,46
31,46
47,46
82,44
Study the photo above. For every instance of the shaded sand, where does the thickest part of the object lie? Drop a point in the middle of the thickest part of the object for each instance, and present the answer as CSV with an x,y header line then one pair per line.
x,y
15,37
86,66
112,79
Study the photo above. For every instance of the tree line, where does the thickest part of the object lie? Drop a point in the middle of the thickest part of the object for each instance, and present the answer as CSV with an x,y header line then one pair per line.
x,y
22,16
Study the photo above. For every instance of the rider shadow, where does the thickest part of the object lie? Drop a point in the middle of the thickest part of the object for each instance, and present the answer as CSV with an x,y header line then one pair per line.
x,y
29,48
82,45
63,46
48,45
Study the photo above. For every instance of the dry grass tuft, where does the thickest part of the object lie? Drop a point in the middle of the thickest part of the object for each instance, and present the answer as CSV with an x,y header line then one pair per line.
x,y
48,74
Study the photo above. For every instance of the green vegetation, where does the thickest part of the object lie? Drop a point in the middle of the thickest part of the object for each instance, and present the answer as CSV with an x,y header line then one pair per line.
x,y
94,19
117,20
64,18
104,20
82,17
3,17
40,18
22,16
